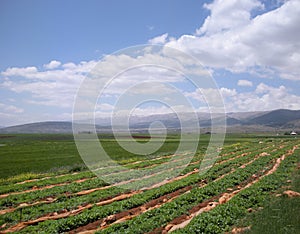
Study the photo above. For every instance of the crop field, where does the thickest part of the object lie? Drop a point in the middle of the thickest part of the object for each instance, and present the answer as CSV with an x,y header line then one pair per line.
x,y
45,187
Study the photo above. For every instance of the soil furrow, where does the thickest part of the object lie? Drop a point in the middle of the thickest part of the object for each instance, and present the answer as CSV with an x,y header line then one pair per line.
x,y
44,187
22,205
45,178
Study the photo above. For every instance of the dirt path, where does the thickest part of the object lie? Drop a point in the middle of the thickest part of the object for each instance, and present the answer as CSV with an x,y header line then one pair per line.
x,y
47,177
45,201
34,188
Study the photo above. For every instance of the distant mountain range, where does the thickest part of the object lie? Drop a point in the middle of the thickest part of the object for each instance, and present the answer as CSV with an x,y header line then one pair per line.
x,y
261,121
40,127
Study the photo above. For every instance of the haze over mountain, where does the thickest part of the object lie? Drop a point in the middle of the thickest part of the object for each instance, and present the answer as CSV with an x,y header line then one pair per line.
x,y
264,121
276,118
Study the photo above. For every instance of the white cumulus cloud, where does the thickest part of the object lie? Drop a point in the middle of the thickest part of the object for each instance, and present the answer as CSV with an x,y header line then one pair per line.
x,y
10,109
230,39
226,15
53,64
22,71
51,87
162,39
245,83
264,97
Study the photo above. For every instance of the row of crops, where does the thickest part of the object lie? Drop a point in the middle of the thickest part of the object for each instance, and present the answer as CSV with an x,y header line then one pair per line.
x,y
243,177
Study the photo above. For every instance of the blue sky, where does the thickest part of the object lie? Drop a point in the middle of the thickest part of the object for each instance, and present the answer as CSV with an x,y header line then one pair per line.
x,y
35,32
47,48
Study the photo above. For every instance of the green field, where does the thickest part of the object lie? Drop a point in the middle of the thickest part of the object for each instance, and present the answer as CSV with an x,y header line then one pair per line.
x,y
37,153
46,188
57,153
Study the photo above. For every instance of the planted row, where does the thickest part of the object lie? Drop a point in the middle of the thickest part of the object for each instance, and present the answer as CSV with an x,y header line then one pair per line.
x,y
152,219
96,213
223,217
64,202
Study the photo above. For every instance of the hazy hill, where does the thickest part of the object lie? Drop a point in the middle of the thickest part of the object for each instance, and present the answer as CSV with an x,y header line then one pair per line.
x,y
294,125
277,120
40,127
245,116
